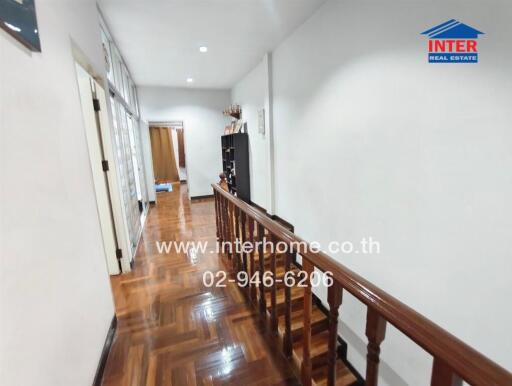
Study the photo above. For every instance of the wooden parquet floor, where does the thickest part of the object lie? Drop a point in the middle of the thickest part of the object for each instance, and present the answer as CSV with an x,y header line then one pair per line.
x,y
174,331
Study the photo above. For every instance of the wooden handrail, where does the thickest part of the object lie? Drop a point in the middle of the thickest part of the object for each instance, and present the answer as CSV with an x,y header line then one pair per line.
x,y
467,363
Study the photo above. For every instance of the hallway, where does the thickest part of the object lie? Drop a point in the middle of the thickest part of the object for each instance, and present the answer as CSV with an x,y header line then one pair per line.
x,y
390,265
174,331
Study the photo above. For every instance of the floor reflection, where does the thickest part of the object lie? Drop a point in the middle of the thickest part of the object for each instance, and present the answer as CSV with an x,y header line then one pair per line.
x,y
172,330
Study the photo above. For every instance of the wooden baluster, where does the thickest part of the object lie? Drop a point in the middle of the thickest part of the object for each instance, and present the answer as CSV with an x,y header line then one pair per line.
x,y
219,216
222,218
375,332
252,270
228,227
273,293
287,340
225,223
243,256
334,298
216,201
223,204
443,375
219,226
231,234
243,238
231,230
306,368
237,239
261,255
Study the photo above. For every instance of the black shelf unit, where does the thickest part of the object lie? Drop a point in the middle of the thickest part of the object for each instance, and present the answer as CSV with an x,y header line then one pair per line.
x,y
235,164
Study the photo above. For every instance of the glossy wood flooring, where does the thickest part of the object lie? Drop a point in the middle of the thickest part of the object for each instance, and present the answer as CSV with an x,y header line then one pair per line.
x,y
174,331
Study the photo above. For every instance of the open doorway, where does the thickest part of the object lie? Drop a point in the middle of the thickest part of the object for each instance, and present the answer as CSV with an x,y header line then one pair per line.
x,y
168,153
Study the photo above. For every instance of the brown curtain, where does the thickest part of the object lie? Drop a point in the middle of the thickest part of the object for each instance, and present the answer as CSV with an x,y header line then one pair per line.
x,y
181,148
164,164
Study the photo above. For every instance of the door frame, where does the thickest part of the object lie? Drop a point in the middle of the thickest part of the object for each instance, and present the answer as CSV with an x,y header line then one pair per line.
x,y
172,124
114,178
100,106
97,163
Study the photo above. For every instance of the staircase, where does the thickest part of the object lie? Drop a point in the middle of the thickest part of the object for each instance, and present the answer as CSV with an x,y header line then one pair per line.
x,y
308,332
280,304
318,320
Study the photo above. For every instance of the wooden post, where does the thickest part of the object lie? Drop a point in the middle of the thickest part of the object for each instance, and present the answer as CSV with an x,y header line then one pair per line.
x,y
442,375
306,336
375,332
334,298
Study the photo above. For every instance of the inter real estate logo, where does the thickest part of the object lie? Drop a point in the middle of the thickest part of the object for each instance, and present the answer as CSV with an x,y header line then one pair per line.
x,y
452,42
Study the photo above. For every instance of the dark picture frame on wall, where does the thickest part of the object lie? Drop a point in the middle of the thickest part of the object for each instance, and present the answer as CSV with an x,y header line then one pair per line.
x,y
18,19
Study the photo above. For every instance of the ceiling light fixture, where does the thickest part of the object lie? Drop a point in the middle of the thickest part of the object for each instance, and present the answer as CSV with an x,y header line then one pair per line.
x,y
203,49
190,80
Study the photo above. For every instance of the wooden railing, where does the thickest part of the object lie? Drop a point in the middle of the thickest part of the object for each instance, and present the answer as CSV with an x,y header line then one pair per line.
x,y
454,361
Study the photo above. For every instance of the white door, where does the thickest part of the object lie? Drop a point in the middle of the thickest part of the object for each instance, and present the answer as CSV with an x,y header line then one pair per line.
x,y
128,187
98,167
140,163
115,179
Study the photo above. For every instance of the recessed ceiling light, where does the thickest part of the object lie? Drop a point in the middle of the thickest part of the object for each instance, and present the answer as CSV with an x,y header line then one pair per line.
x,y
203,49
190,80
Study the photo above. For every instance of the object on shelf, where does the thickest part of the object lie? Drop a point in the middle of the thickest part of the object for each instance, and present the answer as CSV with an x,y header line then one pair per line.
x,y
223,183
234,128
238,126
234,111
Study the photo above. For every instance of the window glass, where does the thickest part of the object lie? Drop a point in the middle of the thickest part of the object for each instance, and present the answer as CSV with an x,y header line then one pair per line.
x,y
118,72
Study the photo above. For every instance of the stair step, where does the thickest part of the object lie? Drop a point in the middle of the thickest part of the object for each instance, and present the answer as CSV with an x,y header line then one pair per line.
x,y
268,258
319,322
344,376
297,298
318,352
280,272
280,275
319,326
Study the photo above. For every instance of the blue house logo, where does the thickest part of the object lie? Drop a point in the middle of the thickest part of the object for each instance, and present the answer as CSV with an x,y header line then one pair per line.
x,y
452,42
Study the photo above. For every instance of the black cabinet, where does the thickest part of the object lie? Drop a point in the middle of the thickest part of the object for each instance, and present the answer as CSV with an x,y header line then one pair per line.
x,y
235,164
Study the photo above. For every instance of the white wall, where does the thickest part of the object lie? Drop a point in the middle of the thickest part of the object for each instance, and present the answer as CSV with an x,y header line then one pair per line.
x,y
54,288
250,94
371,140
203,122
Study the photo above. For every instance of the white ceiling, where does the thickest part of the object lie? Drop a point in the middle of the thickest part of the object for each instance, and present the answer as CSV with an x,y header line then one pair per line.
x,y
160,39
